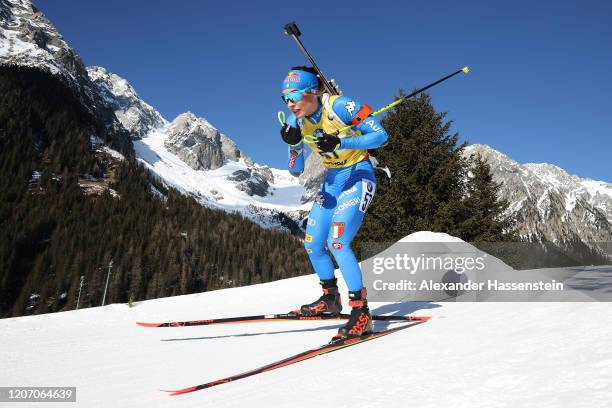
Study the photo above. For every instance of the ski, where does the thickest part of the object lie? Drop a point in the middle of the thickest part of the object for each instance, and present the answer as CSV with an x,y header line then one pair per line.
x,y
274,317
305,355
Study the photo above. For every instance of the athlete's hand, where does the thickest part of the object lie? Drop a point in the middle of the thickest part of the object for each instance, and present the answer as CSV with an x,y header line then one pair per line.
x,y
328,143
290,134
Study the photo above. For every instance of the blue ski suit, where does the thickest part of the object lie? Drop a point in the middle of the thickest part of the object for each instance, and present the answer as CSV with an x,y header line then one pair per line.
x,y
347,191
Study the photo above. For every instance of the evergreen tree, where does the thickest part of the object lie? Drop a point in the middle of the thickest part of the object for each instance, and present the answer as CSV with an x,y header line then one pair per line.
x,y
52,232
427,175
430,188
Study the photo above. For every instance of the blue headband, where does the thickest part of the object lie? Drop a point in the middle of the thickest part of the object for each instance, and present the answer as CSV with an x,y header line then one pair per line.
x,y
300,80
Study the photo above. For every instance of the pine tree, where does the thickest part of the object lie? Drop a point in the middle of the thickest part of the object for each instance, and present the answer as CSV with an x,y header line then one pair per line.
x,y
52,233
427,175
431,188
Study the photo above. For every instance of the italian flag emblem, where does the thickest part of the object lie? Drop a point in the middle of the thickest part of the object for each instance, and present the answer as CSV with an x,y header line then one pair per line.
x,y
337,228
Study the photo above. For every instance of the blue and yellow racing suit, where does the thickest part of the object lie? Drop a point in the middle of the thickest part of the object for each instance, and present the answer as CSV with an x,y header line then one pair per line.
x,y
348,188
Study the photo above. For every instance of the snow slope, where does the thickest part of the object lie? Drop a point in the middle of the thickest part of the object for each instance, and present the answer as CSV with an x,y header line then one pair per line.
x,y
467,355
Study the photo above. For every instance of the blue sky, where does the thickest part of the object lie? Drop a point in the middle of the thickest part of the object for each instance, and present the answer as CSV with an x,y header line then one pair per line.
x,y
540,89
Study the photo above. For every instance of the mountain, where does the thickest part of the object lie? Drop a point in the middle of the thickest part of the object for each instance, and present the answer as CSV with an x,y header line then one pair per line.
x,y
267,196
138,117
552,205
29,39
548,202
199,144
312,177
75,199
190,154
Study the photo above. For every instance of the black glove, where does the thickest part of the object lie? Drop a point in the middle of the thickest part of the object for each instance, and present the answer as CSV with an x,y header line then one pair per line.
x,y
291,135
327,143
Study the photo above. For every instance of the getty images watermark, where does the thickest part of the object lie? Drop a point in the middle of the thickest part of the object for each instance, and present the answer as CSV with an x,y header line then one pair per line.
x,y
459,265
459,271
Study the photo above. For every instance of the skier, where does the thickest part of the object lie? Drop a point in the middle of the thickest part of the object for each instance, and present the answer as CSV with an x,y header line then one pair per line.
x,y
346,192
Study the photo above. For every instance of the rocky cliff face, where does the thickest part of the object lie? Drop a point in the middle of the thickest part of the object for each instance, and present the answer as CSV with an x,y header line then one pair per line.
x,y
195,141
312,177
138,117
27,38
202,147
551,204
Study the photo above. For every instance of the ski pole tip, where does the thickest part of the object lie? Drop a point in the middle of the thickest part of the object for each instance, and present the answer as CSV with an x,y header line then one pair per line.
x,y
465,69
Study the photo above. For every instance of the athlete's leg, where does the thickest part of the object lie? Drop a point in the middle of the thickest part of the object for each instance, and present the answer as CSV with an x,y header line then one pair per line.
x,y
319,220
345,222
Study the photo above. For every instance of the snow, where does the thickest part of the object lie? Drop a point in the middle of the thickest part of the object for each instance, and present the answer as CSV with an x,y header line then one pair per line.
x,y
597,187
516,206
35,176
468,355
95,141
213,184
473,354
570,202
428,236
157,193
14,50
11,44
113,153
544,204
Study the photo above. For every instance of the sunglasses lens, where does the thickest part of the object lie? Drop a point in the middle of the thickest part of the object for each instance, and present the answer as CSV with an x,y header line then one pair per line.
x,y
294,96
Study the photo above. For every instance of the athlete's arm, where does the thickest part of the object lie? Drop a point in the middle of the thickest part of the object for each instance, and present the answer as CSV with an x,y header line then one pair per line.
x,y
296,159
295,163
373,135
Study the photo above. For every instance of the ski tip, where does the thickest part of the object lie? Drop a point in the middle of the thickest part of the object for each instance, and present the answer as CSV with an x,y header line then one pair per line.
x,y
179,392
466,69
143,324
411,318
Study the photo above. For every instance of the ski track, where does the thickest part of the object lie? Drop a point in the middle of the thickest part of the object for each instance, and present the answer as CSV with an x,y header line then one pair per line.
x,y
467,355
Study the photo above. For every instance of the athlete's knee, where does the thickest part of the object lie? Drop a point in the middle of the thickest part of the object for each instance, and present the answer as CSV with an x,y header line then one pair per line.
x,y
313,246
338,246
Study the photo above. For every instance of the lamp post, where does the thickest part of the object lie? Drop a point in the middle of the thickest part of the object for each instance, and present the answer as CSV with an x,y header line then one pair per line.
x,y
80,287
110,266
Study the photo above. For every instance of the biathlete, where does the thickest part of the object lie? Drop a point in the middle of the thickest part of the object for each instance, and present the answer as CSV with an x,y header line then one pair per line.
x,y
346,192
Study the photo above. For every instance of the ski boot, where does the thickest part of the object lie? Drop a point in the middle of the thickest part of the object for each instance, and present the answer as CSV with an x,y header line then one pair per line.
x,y
329,303
360,321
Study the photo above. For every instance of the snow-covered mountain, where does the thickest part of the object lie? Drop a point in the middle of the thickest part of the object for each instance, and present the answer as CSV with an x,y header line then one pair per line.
x,y
190,154
28,39
550,203
268,196
199,144
469,354
138,117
